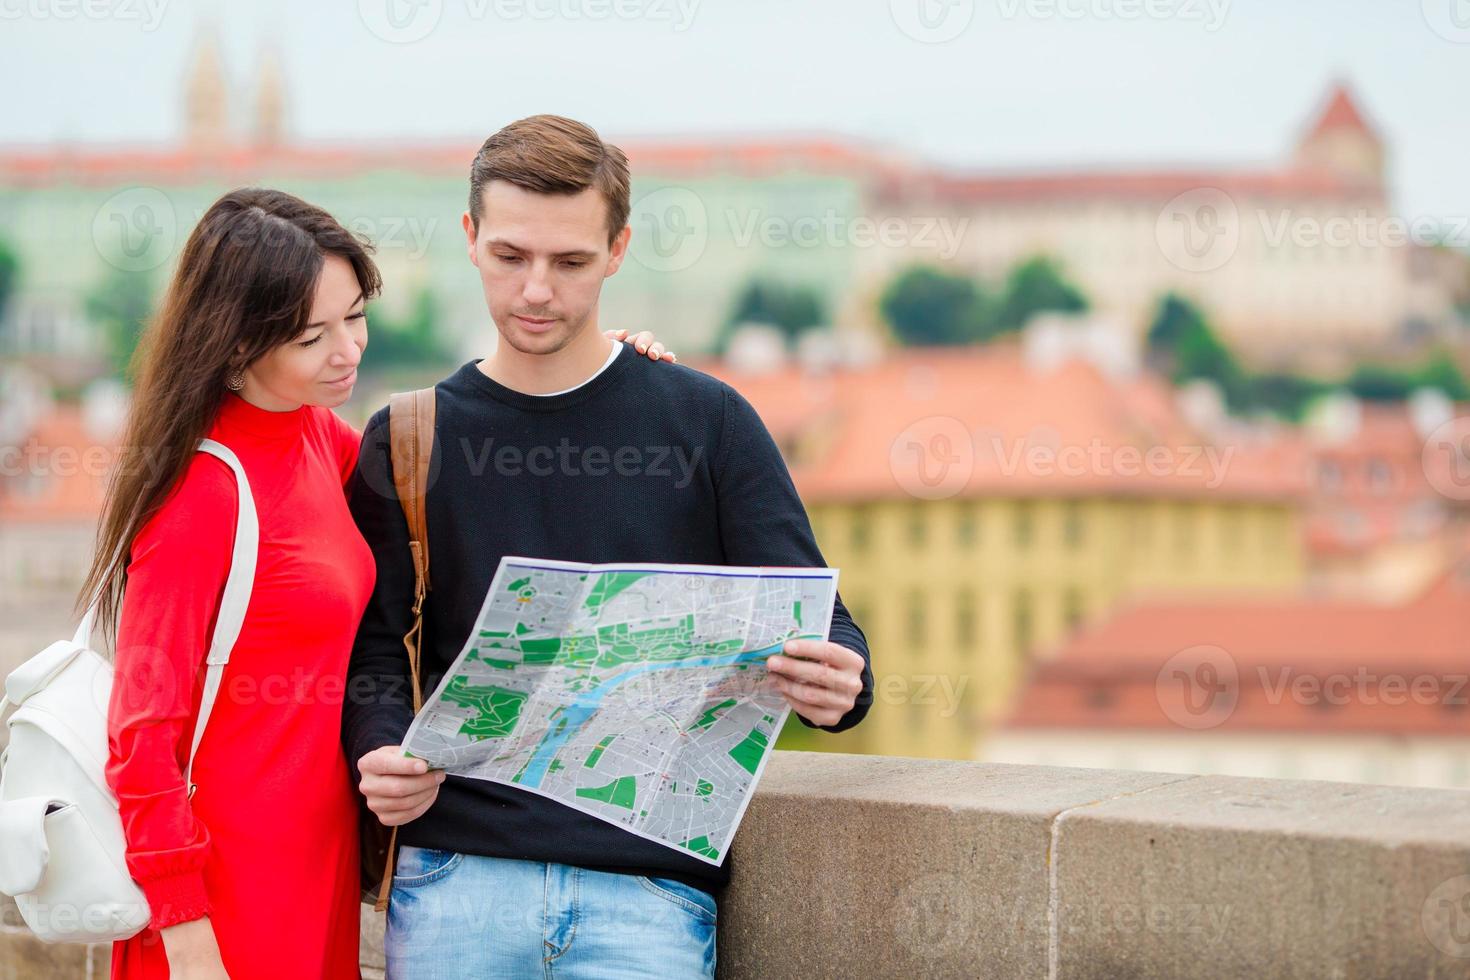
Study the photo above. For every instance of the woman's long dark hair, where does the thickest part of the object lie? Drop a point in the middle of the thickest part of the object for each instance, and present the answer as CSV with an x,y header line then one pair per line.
x,y
245,284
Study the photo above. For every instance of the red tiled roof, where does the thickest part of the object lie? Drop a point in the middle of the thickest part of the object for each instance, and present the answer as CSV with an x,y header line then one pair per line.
x,y
60,474
94,165
1119,675
1155,187
1383,491
1072,431
1341,113
894,178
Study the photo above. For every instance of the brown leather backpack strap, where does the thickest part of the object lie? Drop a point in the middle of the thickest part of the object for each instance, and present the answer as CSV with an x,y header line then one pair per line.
x,y
411,438
424,405
411,445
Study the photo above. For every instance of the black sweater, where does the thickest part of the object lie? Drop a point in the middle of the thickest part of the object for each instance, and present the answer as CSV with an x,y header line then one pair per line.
x,y
647,462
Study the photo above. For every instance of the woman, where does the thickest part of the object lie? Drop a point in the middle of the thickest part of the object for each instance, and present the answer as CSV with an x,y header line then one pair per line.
x,y
258,339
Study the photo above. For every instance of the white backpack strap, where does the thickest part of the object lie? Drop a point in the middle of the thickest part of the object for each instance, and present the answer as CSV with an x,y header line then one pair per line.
x,y
83,637
235,599
232,605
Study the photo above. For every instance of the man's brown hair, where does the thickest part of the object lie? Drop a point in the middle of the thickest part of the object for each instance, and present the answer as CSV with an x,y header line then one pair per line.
x,y
553,155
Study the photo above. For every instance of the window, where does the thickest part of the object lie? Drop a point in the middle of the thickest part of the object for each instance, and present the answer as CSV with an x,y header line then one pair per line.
x,y
917,625
1380,476
967,526
964,620
1021,624
918,525
1072,526
1025,520
1329,476
1072,611
861,529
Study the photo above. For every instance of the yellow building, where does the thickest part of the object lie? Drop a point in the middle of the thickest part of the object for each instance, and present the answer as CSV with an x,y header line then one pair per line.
x,y
980,506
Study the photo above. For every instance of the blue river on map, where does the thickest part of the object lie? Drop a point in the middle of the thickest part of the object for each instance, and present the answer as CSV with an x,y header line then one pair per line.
x,y
575,715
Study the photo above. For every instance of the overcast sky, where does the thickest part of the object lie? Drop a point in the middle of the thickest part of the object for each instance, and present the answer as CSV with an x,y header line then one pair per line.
x,y
989,84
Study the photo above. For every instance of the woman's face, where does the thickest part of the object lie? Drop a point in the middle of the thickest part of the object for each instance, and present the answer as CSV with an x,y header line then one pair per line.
x,y
319,366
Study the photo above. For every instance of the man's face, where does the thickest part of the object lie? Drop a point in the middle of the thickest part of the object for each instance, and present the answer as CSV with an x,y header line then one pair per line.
x,y
542,259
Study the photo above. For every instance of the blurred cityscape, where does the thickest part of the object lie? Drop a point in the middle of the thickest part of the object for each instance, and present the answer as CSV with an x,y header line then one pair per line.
x,y
1162,469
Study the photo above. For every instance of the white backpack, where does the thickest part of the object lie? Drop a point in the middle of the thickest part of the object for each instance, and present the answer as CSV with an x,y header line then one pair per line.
x,y
62,851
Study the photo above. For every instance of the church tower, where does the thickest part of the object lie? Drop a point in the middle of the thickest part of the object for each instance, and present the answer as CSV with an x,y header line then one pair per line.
x,y
1341,142
206,99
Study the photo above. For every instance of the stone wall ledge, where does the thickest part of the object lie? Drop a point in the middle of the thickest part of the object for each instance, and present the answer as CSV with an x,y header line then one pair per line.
x,y
867,866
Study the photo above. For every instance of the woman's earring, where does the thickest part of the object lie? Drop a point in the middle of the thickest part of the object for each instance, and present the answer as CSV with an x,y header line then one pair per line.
x,y
235,381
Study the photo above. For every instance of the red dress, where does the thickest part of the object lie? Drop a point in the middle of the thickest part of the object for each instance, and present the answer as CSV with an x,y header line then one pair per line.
x,y
267,848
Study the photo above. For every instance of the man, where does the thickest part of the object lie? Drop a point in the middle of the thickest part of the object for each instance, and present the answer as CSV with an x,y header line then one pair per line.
x,y
560,446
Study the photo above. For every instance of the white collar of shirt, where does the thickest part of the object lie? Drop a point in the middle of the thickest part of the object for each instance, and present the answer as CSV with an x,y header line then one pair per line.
x,y
617,348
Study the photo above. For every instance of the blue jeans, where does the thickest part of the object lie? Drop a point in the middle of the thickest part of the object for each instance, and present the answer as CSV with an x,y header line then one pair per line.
x,y
453,916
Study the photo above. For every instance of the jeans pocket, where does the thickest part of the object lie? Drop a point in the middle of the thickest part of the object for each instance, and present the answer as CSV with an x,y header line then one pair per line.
x,y
696,901
421,865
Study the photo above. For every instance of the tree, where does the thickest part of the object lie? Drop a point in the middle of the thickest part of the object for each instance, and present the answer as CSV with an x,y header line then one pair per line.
x,y
1176,318
1380,383
1375,382
1182,345
415,341
1202,355
1284,394
1443,373
119,305
790,308
1035,286
9,275
926,306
